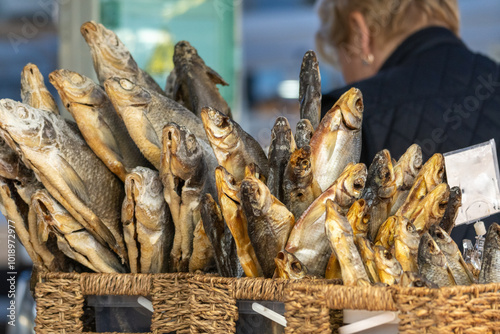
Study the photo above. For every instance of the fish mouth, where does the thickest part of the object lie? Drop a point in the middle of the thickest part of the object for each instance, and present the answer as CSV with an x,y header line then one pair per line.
x,y
88,30
352,107
172,137
183,52
31,75
216,123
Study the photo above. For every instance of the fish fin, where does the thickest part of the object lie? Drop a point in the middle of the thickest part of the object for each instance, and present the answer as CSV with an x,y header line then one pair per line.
x,y
107,137
450,274
150,133
467,271
215,77
73,180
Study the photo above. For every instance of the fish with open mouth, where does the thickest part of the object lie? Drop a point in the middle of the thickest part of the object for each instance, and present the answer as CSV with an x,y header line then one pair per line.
x,y
72,238
103,130
68,169
359,217
308,241
34,92
195,84
280,150
337,140
432,263
380,187
185,178
112,58
431,209
417,193
490,267
300,188
217,231
451,213
405,172
147,226
303,133
458,267
340,236
386,232
269,222
230,203
288,266
406,241
146,113
234,148
388,268
433,171
310,89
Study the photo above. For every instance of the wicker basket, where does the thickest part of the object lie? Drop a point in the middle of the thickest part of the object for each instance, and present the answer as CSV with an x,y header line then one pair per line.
x,y
461,309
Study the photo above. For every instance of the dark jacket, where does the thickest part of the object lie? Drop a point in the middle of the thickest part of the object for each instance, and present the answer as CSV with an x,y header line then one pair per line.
x,y
432,91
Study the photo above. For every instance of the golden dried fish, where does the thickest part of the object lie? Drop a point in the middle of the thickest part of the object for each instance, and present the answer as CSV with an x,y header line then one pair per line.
x,y
367,254
103,130
112,58
417,193
228,190
380,187
385,235
34,92
308,241
432,263
68,169
299,187
337,140
195,83
183,172
388,268
358,217
147,226
458,267
72,239
339,233
310,89
289,267
406,241
303,133
280,150
433,171
233,147
217,231
146,113
269,222
333,270
203,252
405,172
411,279
490,268
431,209
451,213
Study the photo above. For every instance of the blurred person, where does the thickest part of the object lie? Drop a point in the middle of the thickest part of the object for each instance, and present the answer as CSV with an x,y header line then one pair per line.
x,y
420,82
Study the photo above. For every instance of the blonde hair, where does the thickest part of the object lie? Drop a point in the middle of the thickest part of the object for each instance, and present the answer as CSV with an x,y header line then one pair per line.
x,y
386,19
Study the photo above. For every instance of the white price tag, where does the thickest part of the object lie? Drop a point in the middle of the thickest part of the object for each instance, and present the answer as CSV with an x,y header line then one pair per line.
x,y
475,170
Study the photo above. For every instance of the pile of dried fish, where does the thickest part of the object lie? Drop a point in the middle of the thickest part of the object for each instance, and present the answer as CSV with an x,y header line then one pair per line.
x,y
150,180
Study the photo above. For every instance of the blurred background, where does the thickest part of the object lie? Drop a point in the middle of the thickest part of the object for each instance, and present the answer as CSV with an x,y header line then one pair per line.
x,y
255,45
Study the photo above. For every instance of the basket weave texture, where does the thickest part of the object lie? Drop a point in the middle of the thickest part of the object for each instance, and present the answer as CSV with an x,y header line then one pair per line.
x,y
460,309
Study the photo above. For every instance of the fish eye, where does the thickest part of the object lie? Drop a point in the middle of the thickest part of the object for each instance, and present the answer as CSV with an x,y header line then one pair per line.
x,y
358,185
22,112
440,235
305,164
296,267
76,78
126,84
388,255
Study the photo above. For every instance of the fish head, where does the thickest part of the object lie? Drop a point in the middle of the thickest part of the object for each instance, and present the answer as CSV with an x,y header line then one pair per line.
x,y
405,228
288,266
124,93
300,161
220,128
256,195
77,89
433,170
429,252
410,164
53,214
350,184
443,240
254,170
365,248
22,124
185,152
388,260
184,52
111,57
438,198
226,184
381,173
493,236
359,217
281,131
31,79
335,219
351,106
304,126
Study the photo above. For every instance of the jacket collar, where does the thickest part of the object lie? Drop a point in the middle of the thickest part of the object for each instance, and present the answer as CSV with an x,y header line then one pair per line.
x,y
420,42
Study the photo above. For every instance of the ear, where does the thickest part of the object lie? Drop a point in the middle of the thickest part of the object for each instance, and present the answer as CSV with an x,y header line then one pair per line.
x,y
361,33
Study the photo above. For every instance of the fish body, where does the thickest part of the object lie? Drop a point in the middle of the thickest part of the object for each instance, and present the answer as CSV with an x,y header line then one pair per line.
x,y
34,92
303,133
217,231
68,169
280,150
308,241
310,89
337,140
234,148
388,268
458,267
202,258
490,268
147,226
367,254
269,222
380,187
333,270
431,209
451,213
100,125
406,241
195,83
405,172
299,187
289,267
432,263
339,233
111,57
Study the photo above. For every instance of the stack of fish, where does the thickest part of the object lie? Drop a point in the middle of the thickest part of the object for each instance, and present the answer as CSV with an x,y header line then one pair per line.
x,y
150,180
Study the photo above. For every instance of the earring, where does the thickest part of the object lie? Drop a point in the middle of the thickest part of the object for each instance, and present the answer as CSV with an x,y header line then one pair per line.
x,y
368,59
